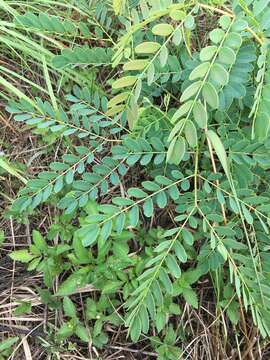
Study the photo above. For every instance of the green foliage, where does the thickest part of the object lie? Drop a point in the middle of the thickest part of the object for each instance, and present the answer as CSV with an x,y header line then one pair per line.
x,y
162,177
6,347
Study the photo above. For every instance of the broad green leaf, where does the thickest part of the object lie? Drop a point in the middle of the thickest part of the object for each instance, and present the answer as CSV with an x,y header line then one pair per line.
x,y
176,151
233,40
225,22
68,286
191,90
88,234
183,110
240,25
161,200
210,95
148,208
200,71
262,126
177,129
69,307
173,266
134,216
220,150
39,241
23,308
135,65
118,99
135,329
22,255
191,134
200,115
65,331
247,215
180,252
188,237
110,287
143,314
177,37
162,29
216,35
148,47
177,15
82,333
8,343
189,22
106,230
137,193
223,251
226,56
191,297
207,53
163,56
124,82
219,74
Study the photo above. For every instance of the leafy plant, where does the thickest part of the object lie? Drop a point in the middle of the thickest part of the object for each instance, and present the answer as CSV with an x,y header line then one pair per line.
x,y
163,177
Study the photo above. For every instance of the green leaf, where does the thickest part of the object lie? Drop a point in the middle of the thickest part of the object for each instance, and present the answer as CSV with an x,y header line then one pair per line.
x,y
180,252
134,216
111,287
148,208
161,200
191,297
163,56
65,331
191,134
226,56
82,333
162,29
225,22
183,110
210,95
137,193
148,47
200,71
68,286
69,307
88,234
135,65
23,308
188,237
39,241
216,35
208,52
233,40
177,15
200,115
189,22
173,266
124,82
118,99
8,343
219,74
106,230
191,90
21,255
135,329
176,151
219,149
